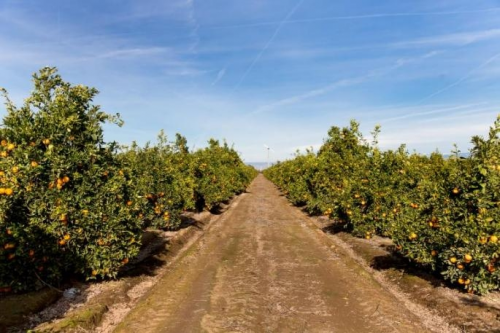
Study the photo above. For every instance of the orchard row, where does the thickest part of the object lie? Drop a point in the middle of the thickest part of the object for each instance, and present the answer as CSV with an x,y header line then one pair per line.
x,y
441,213
74,205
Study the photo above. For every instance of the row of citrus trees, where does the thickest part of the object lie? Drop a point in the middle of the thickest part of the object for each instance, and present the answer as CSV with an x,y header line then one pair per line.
x,y
442,213
72,204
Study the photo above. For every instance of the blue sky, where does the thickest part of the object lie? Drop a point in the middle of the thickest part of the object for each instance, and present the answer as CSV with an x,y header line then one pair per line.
x,y
275,72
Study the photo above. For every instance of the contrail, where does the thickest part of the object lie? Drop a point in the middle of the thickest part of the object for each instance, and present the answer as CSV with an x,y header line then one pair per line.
x,y
356,17
462,79
431,112
347,82
269,42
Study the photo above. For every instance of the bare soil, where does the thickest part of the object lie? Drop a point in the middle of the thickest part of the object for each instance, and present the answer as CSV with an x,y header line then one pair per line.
x,y
266,267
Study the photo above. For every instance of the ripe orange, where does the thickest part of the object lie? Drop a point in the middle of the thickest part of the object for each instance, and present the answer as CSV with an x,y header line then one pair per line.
x,y
129,203
94,272
15,169
32,253
125,261
9,246
467,258
67,237
9,191
491,268
456,190
62,242
453,260
412,236
460,266
434,253
461,281
493,239
3,143
34,164
11,146
65,179
46,142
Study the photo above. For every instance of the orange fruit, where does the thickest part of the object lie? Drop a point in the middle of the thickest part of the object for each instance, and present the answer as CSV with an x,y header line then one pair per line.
x,y
94,272
15,169
11,146
434,253
62,242
467,258
9,191
65,179
3,143
67,237
460,266
125,261
129,203
453,260
34,164
32,253
46,141
461,281
9,246
493,239
456,190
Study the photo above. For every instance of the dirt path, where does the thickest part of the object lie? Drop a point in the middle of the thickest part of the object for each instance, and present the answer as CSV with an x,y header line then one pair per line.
x,y
265,267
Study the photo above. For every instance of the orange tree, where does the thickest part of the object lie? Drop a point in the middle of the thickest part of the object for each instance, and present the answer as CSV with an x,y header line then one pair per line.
x,y
295,178
162,180
456,231
63,195
219,174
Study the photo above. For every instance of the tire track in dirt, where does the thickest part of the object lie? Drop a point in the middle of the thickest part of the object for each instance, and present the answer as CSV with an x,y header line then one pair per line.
x,y
265,267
